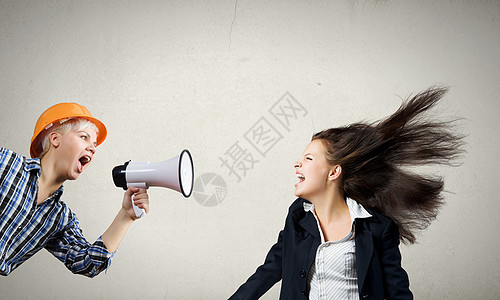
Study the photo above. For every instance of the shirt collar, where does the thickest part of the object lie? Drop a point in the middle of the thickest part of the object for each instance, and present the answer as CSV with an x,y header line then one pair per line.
x,y
32,164
356,210
308,206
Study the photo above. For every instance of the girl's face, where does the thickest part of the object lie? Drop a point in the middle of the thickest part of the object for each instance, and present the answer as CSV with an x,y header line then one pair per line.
x,y
76,150
312,170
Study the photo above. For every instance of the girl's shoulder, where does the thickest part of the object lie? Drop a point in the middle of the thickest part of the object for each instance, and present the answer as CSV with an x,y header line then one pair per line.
x,y
378,224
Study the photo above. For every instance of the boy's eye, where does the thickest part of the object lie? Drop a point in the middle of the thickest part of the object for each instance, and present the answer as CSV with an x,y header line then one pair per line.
x,y
84,137
309,158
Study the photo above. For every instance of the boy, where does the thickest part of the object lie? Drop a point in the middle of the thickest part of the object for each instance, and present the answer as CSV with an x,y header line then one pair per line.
x,y
32,215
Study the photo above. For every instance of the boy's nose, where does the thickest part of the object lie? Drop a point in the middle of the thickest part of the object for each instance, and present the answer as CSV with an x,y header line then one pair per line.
x,y
91,148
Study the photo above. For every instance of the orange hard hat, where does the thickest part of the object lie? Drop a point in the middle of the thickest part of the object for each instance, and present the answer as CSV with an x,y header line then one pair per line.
x,y
62,111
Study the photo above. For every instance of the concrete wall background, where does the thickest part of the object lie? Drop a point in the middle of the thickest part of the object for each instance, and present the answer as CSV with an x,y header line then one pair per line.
x,y
169,75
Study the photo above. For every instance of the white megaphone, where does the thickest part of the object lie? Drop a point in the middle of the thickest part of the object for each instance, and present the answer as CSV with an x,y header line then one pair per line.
x,y
176,173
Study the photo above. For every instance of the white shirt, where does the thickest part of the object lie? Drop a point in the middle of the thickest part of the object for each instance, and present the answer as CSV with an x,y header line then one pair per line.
x,y
333,273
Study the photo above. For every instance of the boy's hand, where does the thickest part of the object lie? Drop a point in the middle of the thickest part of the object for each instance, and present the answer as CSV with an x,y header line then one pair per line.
x,y
126,216
141,200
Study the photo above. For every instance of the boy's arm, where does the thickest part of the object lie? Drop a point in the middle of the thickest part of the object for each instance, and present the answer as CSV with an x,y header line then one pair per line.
x,y
125,217
81,257
78,255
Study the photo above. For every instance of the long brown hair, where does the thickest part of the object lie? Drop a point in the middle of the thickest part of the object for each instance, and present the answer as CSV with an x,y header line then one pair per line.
x,y
375,158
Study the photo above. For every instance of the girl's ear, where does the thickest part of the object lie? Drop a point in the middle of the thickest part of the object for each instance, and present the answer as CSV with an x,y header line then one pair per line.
x,y
55,139
335,172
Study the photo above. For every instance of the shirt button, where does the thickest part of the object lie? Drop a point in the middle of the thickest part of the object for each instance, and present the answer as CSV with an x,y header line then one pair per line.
x,y
302,273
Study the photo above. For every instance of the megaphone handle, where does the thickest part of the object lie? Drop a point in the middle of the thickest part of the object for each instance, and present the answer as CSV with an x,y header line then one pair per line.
x,y
139,212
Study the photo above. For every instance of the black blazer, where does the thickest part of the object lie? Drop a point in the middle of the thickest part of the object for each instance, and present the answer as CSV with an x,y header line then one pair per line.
x,y
378,260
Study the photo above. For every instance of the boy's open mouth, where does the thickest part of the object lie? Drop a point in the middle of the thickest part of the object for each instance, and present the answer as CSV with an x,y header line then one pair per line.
x,y
84,160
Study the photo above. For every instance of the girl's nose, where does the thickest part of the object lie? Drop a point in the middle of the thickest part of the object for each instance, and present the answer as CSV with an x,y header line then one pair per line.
x,y
297,164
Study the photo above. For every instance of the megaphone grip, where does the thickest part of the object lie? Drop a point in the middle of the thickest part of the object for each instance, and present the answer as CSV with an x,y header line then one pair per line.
x,y
139,212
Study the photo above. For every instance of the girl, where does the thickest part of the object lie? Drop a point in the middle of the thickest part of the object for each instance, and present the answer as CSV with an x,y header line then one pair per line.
x,y
32,214
356,202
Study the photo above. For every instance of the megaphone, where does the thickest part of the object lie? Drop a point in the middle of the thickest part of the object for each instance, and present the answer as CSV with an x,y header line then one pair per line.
x,y
176,173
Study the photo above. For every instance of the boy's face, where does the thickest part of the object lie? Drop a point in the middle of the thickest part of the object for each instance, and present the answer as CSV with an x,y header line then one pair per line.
x,y
76,150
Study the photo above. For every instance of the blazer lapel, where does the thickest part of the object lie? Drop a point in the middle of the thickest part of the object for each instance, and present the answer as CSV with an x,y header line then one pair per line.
x,y
364,252
308,222
310,229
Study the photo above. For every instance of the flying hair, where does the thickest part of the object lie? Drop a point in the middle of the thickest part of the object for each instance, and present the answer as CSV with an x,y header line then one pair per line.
x,y
377,159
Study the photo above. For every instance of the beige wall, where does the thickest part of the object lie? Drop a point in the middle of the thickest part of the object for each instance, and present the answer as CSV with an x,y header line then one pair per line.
x,y
169,75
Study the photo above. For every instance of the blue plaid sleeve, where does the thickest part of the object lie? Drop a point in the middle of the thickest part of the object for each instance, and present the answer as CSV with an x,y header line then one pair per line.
x,y
78,255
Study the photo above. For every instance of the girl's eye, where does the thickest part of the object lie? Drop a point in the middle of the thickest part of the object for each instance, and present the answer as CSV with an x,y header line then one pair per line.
x,y
84,137
309,158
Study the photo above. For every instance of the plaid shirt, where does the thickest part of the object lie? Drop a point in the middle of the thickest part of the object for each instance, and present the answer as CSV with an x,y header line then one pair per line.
x,y
26,228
